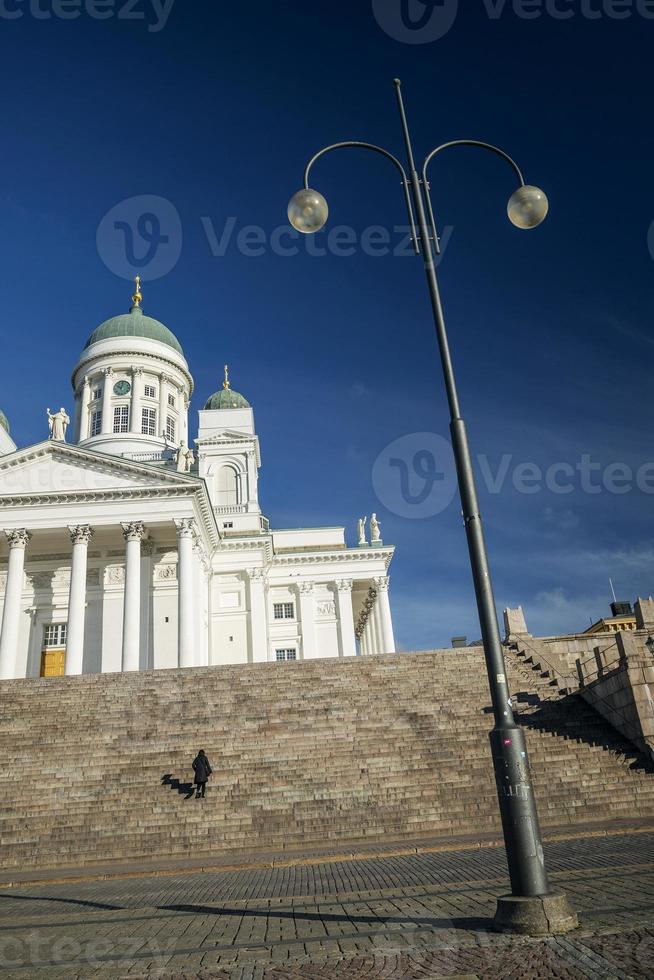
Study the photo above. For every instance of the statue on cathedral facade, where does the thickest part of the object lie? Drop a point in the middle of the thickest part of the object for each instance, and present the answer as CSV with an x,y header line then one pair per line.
x,y
362,530
58,424
375,530
185,458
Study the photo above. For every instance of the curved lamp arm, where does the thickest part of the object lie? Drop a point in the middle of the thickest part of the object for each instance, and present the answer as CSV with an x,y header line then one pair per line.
x,y
385,153
445,146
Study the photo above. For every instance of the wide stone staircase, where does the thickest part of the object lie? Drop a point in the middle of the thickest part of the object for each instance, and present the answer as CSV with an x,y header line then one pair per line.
x,y
97,768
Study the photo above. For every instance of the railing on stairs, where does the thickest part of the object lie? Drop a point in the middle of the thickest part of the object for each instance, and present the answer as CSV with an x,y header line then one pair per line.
x,y
565,682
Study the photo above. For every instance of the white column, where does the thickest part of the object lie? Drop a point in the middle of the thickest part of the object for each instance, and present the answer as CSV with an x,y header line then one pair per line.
x,y
18,540
381,640
80,537
346,638
252,481
385,619
184,416
201,569
185,617
163,405
134,533
308,620
82,410
258,615
147,549
135,406
362,643
370,633
372,627
107,421
370,640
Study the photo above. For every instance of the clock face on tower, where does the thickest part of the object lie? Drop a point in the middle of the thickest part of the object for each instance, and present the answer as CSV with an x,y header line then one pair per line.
x,y
122,388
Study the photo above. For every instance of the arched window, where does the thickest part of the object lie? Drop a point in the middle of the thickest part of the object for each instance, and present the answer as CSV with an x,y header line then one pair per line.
x,y
227,484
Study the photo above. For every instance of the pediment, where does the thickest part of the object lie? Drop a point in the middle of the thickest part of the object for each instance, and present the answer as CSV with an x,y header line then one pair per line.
x,y
58,468
226,437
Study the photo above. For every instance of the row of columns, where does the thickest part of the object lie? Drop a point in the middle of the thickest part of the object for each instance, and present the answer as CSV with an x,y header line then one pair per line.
x,y
134,533
375,626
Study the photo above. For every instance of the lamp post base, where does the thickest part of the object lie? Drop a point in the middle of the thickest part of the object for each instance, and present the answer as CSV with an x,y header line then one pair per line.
x,y
542,915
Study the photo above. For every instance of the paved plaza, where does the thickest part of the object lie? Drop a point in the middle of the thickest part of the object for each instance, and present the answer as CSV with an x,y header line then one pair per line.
x,y
419,916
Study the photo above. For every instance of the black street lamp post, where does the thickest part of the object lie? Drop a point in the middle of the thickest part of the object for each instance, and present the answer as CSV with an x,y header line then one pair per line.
x,y
531,908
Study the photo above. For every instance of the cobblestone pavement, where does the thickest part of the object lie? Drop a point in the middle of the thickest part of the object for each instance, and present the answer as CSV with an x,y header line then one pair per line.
x,y
422,916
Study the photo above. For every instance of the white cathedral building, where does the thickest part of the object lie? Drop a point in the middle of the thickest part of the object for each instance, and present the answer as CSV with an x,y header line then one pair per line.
x,y
125,550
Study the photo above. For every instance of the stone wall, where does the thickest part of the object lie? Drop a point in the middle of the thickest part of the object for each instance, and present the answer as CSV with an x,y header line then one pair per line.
x,y
621,691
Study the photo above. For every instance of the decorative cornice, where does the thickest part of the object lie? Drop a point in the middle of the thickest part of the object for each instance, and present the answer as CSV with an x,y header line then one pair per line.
x,y
166,483
322,557
85,362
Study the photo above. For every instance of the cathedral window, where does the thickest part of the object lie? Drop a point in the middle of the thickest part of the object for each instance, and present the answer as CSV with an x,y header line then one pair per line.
x,y
121,418
288,653
97,393
172,401
227,487
170,429
283,610
55,635
96,423
149,422
149,391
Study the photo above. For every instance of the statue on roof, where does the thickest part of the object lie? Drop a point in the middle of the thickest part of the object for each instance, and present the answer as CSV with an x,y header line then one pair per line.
x,y
58,424
185,458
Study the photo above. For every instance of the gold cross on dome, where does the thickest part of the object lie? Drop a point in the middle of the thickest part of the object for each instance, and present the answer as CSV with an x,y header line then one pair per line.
x,y
226,381
138,295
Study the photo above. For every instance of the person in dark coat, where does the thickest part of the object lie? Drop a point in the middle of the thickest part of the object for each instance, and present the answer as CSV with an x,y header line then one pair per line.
x,y
202,771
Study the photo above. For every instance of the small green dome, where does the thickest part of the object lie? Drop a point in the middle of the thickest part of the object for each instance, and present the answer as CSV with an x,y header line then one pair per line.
x,y
4,422
134,324
226,398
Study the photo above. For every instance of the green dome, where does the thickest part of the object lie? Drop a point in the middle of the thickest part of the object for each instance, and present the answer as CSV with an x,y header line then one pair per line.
x,y
134,324
226,398
4,422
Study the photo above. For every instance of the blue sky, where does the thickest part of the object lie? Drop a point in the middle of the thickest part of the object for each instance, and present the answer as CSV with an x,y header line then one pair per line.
x,y
216,111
